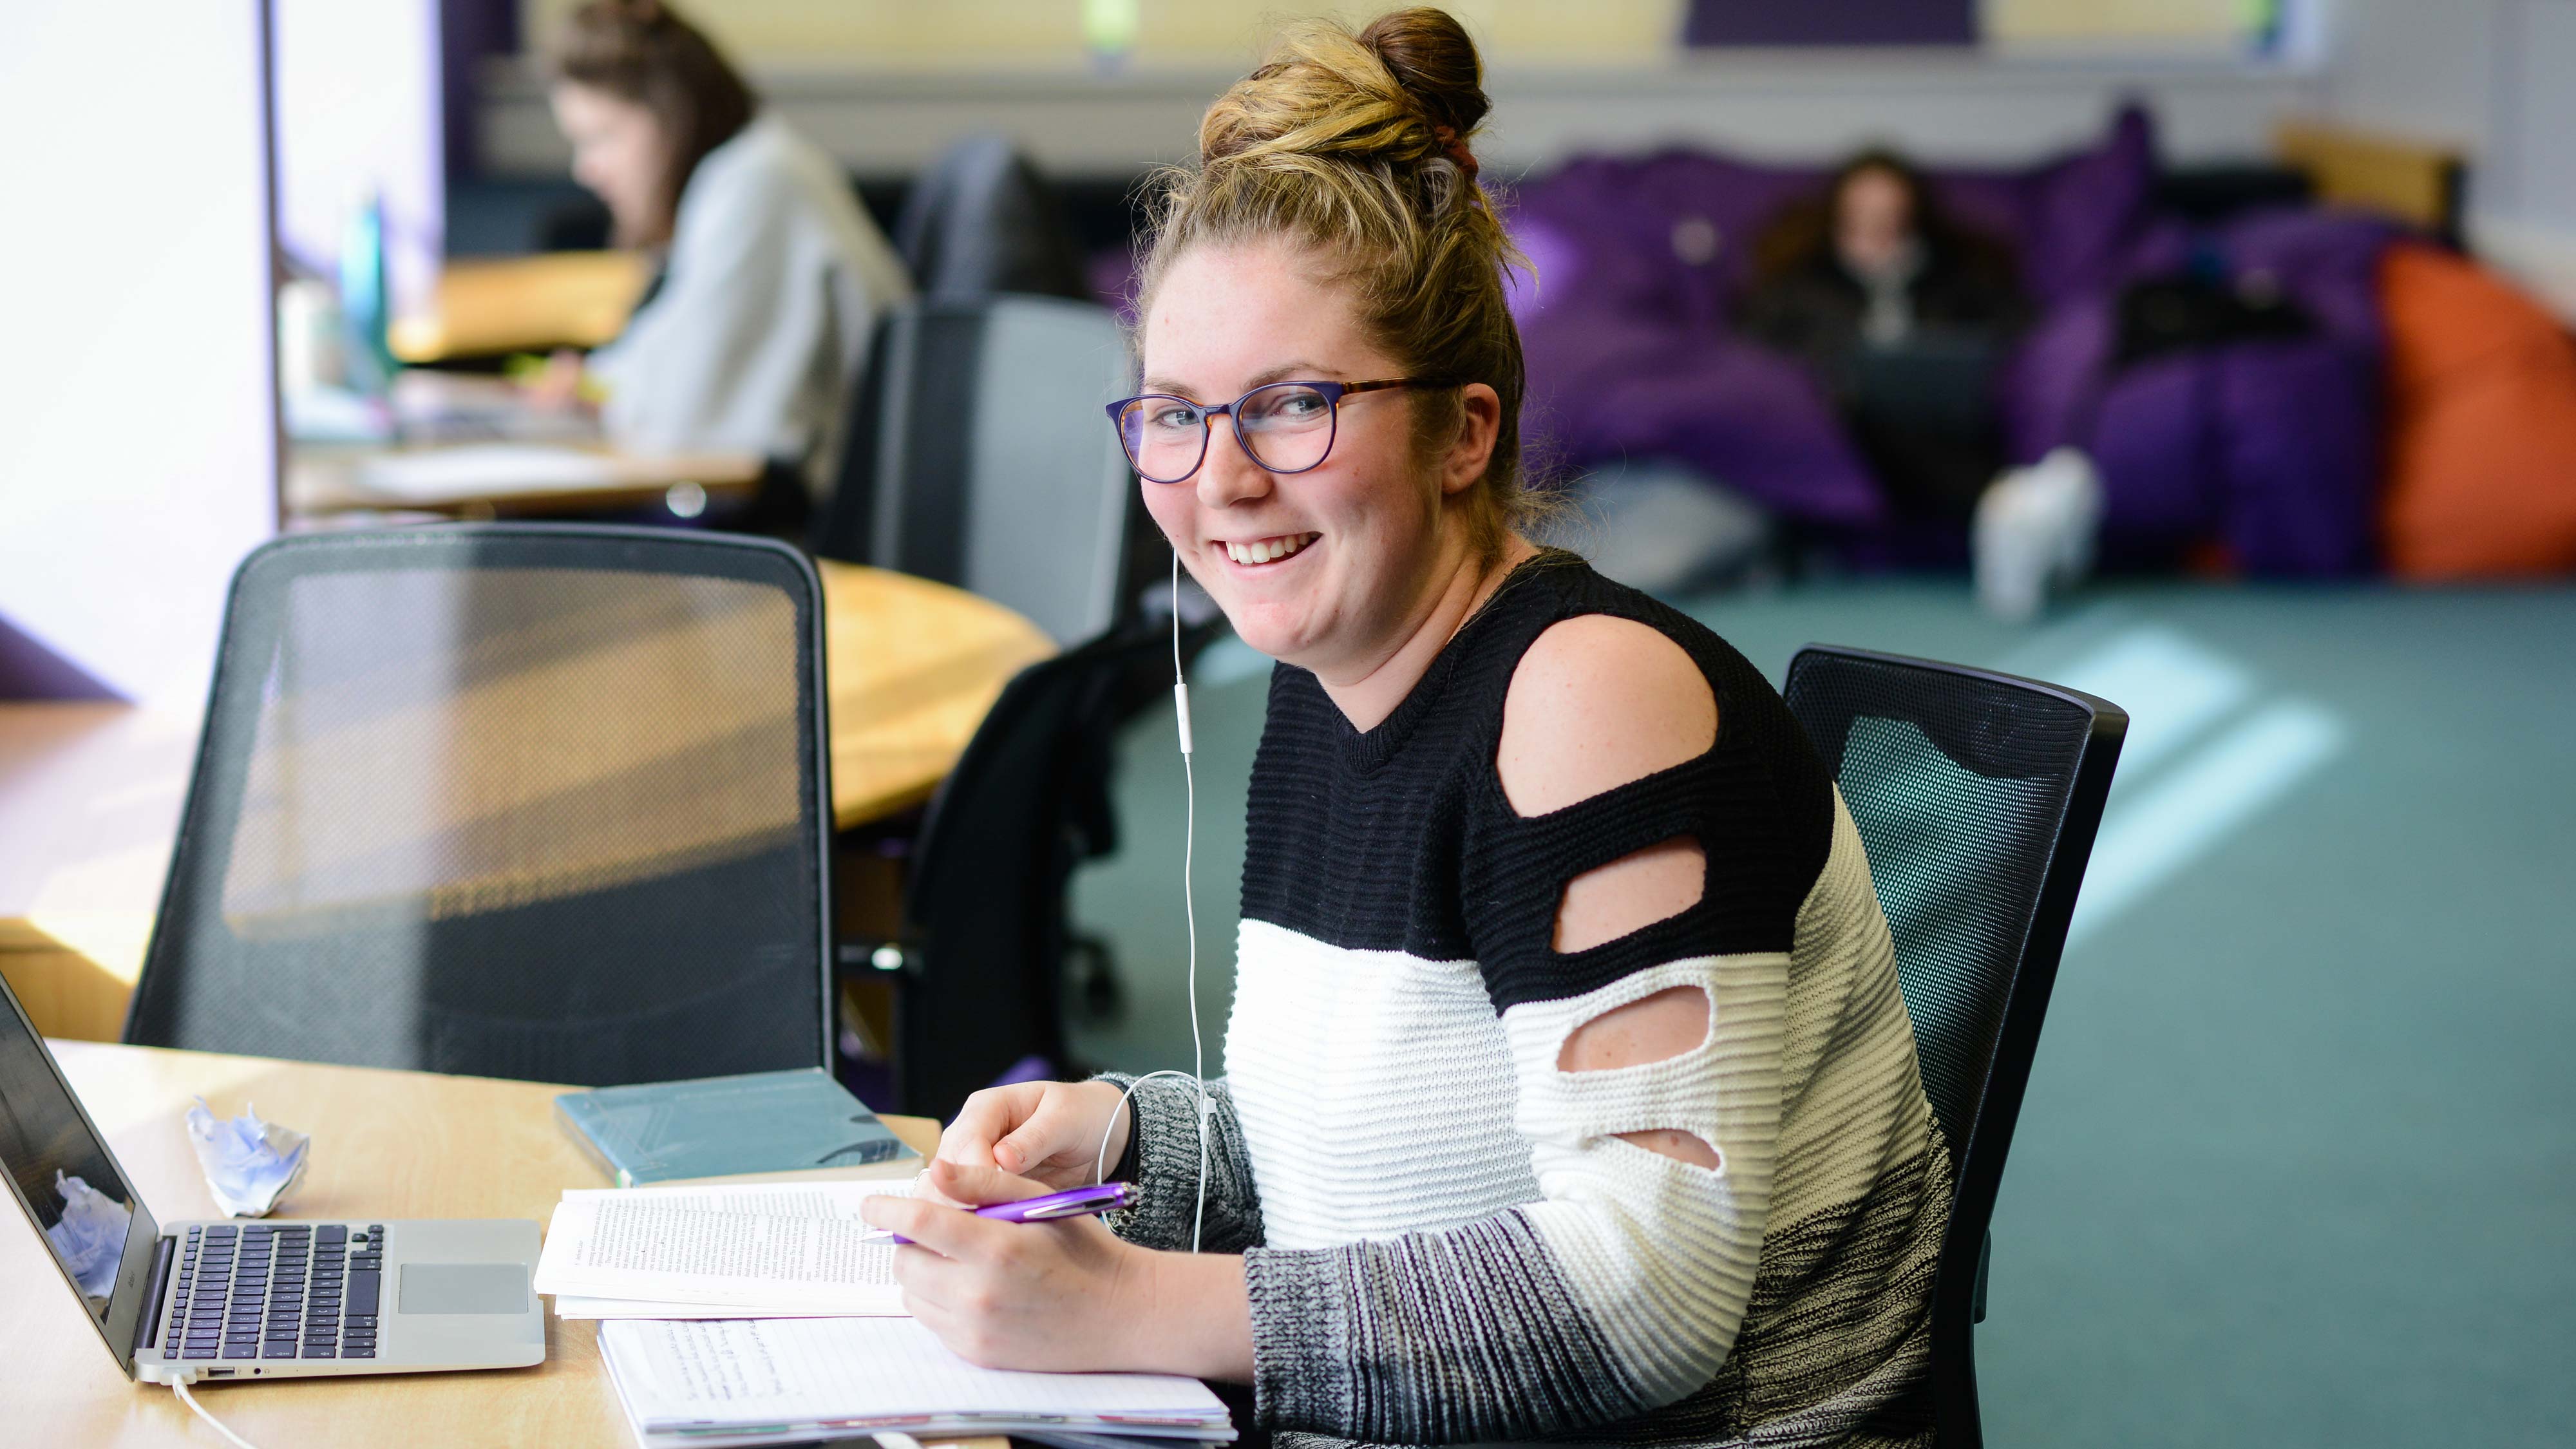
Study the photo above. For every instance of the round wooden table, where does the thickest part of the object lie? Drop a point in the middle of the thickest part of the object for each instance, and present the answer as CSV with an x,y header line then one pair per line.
x,y
913,667
90,793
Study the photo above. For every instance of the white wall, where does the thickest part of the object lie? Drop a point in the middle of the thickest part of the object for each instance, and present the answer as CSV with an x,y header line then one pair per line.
x,y
138,454
1800,105
2418,68
358,114
2493,77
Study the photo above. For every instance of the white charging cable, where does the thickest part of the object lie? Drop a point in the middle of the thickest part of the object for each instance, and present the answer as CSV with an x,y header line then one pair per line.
x,y
179,1385
1197,1075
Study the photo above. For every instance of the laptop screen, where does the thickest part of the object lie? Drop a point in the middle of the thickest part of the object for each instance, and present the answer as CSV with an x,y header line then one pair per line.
x,y
59,1168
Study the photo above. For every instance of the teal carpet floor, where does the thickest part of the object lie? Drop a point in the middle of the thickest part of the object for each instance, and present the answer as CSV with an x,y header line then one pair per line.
x,y
2298,1164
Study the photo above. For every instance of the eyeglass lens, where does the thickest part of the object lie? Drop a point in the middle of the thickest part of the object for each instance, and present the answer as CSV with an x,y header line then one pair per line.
x,y
1287,427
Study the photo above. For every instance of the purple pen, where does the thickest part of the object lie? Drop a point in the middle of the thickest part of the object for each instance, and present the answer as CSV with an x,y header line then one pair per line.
x,y
1073,1202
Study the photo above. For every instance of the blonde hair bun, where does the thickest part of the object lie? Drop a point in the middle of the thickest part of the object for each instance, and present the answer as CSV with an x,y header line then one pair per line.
x,y
1407,90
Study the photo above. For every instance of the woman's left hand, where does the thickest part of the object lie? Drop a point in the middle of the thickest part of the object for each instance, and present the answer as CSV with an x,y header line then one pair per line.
x,y
1060,1296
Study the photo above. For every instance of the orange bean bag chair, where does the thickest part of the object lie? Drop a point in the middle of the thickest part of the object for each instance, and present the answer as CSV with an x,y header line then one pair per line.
x,y
2482,424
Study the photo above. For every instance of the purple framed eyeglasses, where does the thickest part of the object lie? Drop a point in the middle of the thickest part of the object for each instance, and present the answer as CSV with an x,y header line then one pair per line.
x,y
1286,427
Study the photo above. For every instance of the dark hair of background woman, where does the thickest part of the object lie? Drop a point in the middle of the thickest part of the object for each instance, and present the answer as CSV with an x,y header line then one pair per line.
x,y
640,51
1801,238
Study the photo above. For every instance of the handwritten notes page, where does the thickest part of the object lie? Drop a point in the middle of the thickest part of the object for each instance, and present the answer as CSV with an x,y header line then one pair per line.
x,y
791,1249
762,1381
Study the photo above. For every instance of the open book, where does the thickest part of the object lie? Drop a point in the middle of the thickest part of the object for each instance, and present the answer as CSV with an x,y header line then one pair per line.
x,y
776,1249
775,1381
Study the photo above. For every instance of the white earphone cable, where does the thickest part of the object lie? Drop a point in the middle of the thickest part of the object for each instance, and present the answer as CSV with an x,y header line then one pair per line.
x,y
1197,1075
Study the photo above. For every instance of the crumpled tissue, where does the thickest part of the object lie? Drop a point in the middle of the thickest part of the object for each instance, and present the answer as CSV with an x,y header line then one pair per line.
x,y
91,1235
249,1164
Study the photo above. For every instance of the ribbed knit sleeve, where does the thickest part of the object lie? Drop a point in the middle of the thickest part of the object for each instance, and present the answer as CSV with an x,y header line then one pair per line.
x,y
1618,1290
1457,1242
1162,1160
1426,1338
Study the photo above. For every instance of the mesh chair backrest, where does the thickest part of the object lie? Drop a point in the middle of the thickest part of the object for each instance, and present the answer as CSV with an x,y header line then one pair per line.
x,y
980,221
1964,786
980,457
1977,795
511,800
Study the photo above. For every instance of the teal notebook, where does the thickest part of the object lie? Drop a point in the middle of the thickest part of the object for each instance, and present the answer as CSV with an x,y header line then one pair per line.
x,y
798,1123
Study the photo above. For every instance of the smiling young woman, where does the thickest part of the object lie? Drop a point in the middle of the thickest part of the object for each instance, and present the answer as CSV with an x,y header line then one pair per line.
x,y
1358,565
1570,1090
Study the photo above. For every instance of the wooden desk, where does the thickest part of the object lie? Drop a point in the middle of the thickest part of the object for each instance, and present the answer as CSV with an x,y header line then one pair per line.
x,y
385,1145
89,803
331,478
478,447
913,668
525,304
90,793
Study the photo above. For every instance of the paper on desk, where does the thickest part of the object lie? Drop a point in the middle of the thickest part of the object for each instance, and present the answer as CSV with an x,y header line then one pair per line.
x,y
574,1305
483,471
764,1381
249,1164
791,1247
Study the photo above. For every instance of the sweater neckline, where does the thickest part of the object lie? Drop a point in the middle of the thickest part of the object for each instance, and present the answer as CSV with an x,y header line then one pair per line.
x,y
1367,750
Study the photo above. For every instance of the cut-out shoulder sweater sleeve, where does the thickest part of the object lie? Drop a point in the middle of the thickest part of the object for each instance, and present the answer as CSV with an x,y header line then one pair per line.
x,y
1456,1243
1620,1287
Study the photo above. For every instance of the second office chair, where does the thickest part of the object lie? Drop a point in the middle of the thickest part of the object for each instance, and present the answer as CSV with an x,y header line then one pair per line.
x,y
976,456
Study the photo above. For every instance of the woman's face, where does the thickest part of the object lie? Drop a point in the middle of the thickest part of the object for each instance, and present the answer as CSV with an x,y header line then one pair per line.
x,y
1873,220
619,153
1361,537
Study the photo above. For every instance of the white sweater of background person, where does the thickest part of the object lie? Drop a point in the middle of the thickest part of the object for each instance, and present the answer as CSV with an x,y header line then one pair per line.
x,y
774,281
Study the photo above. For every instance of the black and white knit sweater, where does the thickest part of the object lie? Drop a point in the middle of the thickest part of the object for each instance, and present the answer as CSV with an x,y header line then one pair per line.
x,y
1444,1240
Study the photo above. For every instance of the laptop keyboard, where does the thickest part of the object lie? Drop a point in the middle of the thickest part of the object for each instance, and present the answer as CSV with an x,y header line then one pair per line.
x,y
276,1290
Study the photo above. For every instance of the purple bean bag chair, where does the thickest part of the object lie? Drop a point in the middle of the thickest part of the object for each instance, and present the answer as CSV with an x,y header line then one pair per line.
x,y
2268,448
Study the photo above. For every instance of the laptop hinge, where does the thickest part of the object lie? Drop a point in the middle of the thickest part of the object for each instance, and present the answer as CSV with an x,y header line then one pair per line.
x,y
148,1322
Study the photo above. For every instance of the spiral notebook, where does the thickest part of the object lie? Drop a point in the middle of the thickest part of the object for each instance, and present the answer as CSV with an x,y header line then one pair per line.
x,y
781,1380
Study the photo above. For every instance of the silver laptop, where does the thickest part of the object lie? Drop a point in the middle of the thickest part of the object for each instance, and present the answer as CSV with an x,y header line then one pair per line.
x,y
249,1300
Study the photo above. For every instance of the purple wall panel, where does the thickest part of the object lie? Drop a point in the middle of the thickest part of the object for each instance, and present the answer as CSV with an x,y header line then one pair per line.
x,y
1831,22
469,33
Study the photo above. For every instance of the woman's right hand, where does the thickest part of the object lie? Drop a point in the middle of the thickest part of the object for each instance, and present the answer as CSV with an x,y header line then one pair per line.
x,y
1046,1131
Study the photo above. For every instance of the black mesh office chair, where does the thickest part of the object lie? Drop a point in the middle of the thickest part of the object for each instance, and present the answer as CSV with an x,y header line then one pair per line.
x,y
1978,795
976,456
513,800
980,220
980,970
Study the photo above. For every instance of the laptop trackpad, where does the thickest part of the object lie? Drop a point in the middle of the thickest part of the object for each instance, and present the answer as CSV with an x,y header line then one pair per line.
x,y
463,1288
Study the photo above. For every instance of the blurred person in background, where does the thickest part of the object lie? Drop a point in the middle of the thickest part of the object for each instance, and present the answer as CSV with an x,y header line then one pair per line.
x,y
771,276
1875,265
1903,313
